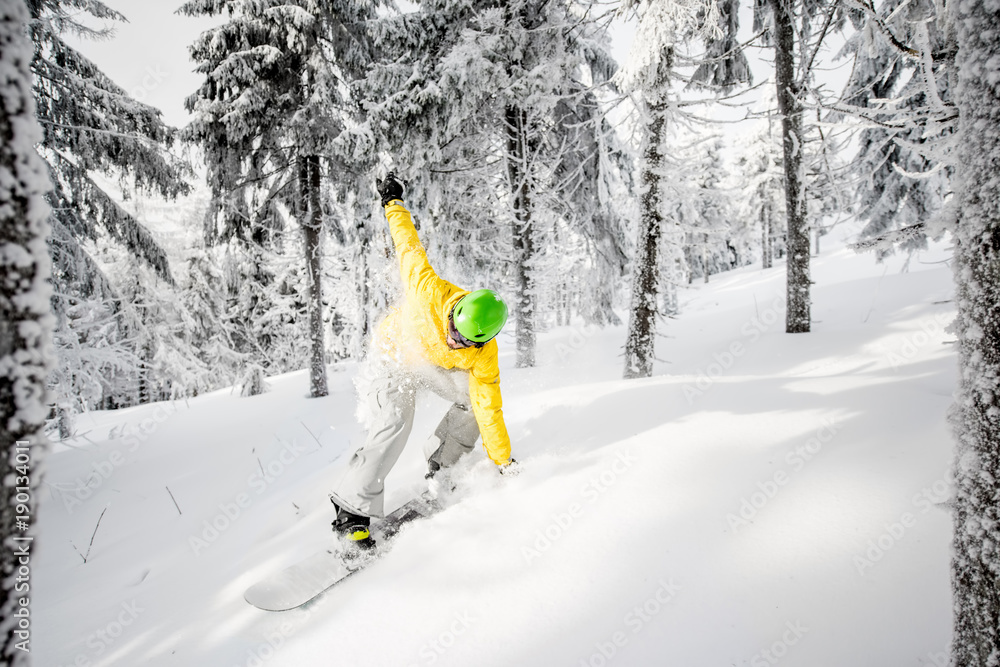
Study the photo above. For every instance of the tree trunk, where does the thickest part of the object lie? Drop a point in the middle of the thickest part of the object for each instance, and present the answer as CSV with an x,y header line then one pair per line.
x,y
704,258
364,290
640,345
765,229
25,329
518,154
312,227
797,318
976,418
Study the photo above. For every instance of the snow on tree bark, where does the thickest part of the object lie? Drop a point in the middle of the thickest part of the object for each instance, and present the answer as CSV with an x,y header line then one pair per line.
x,y
312,227
519,176
765,232
976,413
25,317
797,318
640,344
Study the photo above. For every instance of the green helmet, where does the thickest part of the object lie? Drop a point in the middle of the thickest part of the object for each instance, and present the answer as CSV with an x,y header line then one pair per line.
x,y
480,315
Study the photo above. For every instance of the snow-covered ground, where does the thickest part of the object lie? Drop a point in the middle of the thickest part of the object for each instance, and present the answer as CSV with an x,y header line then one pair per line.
x,y
765,498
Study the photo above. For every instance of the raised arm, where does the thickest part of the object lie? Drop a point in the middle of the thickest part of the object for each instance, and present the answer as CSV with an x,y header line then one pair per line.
x,y
415,270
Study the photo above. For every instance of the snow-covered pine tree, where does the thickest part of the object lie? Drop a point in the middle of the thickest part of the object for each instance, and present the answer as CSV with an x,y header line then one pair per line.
x,y
797,30
593,172
270,115
522,147
488,109
205,327
976,415
25,323
649,72
651,79
640,344
759,165
91,125
707,226
900,90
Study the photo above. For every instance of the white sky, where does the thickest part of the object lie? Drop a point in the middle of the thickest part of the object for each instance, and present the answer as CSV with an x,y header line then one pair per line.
x,y
148,56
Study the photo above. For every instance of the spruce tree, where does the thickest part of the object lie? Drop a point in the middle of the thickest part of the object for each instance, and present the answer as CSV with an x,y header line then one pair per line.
x,y
707,226
271,116
790,93
641,339
92,126
650,72
797,31
490,110
759,166
900,91
25,329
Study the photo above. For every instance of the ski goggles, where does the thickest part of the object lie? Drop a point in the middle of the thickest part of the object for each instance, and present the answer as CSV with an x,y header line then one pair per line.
x,y
456,336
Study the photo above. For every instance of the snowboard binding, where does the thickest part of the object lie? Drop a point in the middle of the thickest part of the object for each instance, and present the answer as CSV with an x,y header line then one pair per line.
x,y
354,532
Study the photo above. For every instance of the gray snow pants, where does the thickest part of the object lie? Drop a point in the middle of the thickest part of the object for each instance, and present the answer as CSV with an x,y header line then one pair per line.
x,y
389,399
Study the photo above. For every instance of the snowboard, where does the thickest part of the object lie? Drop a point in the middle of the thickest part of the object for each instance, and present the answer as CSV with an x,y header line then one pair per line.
x,y
309,578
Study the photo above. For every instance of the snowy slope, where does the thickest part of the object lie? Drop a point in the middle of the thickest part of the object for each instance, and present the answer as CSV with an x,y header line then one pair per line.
x,y
763,499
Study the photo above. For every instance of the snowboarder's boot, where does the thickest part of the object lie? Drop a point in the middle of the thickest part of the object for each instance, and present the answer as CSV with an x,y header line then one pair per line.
x,y
439,481
353,531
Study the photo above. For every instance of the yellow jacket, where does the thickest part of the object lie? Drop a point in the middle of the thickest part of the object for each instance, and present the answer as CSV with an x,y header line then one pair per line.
x,y
415,331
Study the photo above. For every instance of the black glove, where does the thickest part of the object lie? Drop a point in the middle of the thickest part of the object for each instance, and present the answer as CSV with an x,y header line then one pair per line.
x,y
389,188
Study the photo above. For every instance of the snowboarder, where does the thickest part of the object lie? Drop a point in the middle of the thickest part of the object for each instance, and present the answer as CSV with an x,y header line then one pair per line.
x,y
440,338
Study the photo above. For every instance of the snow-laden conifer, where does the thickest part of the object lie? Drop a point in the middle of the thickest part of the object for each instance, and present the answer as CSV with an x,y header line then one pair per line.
x,y
271,117
91,127
649,72
797,31
493,112
759,167
900,90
